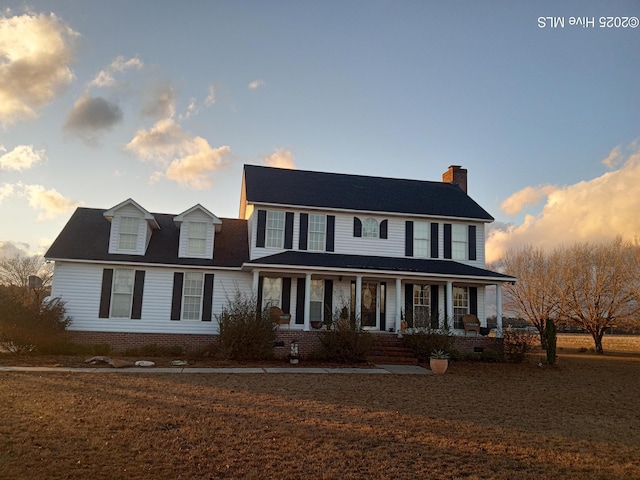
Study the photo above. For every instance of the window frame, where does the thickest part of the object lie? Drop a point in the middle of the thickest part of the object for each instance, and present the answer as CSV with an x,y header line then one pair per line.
x,y
461,299
191,296
271,292
274,229
370,228
116,304
422,299
421,244
459,241
317,237
125,237
194,240
316,311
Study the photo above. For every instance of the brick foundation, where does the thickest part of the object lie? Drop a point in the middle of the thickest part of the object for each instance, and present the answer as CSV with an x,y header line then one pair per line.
x,y
467,345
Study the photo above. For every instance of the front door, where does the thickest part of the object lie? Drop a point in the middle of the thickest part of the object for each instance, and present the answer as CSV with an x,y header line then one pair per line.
x,y
369,317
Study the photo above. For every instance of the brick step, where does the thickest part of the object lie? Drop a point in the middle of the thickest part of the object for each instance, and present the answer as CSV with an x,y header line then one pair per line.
x,y
389,349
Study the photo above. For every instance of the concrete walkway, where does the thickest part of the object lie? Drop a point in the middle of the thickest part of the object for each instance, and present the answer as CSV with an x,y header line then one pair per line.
x,y
378,370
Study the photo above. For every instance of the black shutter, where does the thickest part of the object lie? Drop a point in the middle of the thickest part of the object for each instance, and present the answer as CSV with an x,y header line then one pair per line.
x,y
447,240
300,302
262,228
408,304
138,289
383,304
304,229
384,226
259,296
176,300
207,300
105,293
331,232
288,230
285,302
472,242
357,227
435,309
473,300
328,300
434,240
408,239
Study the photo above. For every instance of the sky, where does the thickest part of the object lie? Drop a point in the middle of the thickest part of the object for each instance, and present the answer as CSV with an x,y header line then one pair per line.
x,y
164,101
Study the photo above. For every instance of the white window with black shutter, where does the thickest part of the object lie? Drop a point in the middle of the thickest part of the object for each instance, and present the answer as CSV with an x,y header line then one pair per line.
x,y
192,296
121,293
317,232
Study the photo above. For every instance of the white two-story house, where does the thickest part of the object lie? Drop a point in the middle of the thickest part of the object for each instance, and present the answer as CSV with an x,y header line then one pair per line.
x,y
387,250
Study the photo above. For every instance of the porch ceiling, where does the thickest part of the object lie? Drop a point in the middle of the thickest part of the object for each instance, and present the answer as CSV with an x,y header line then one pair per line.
x,y
365,263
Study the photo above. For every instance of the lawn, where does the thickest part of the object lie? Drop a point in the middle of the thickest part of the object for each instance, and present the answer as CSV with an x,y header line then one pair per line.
x,y
579,420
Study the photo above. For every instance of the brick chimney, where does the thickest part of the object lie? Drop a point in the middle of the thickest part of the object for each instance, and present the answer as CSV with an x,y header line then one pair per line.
x,y
456,174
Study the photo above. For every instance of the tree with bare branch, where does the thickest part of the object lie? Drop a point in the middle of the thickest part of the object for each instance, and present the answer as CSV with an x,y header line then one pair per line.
x,y
533,297
598,286
16,270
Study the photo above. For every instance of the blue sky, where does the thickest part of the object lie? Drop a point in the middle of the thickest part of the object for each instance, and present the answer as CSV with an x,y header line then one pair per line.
x,y
165,101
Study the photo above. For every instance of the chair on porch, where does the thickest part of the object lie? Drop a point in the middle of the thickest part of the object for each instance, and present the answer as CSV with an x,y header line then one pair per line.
x,y
279,317
471,324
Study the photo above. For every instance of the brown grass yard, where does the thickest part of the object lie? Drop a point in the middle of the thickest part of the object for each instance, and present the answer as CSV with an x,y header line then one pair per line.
x,y
579,420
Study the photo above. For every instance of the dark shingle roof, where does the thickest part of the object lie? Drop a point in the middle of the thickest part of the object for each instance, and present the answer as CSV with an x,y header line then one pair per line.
x,y
391,264
356,192
86,237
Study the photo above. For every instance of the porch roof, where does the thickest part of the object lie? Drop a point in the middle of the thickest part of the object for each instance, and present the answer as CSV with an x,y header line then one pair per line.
x,y
363,263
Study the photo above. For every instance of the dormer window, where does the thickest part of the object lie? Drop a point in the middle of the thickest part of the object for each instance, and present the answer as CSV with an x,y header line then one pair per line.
x,y
128,234
197,238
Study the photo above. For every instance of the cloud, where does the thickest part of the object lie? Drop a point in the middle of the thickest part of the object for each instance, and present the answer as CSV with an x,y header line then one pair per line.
x,y
12,249
22,157
35,54
256,84
594,210
528,196
184,158
281,158
6,190
614,158
91,116
105,77
50,203
211,96
159,101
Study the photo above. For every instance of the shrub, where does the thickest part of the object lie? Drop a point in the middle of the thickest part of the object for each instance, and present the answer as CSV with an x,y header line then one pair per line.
x,y
423,343
29,327
345,343
244,333
516,344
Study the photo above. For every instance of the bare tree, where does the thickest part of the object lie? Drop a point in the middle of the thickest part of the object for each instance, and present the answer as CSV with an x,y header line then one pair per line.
x,y
598,286
16,270
533,296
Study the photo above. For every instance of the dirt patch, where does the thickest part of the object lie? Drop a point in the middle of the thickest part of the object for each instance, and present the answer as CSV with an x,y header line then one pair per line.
x,y
578,420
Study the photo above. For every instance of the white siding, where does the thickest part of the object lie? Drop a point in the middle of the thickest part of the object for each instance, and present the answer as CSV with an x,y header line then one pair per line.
x,y
79,285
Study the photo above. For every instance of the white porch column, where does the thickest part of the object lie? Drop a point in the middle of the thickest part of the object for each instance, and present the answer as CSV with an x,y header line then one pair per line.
x,y
255,283
448,316
358,309
398,303
307,302
499,310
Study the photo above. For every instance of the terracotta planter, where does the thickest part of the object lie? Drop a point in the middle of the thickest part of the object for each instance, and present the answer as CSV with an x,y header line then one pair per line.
x,y
438,365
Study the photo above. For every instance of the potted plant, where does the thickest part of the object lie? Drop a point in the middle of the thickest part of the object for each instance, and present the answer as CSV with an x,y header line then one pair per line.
x,y
438,362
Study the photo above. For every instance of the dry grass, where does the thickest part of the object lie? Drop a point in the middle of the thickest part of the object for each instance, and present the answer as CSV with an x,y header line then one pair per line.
x,y
579,420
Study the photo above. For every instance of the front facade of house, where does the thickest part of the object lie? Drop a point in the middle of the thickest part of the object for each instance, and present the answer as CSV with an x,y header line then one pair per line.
x,y
315,244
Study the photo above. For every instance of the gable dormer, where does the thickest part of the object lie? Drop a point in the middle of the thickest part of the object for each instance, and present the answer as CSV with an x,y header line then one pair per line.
x,y
131,228
198,227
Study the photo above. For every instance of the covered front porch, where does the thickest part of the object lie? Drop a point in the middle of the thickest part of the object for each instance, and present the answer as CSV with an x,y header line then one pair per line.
x,y
377,299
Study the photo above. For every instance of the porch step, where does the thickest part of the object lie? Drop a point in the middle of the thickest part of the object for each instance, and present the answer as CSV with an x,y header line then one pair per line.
x,y
389,349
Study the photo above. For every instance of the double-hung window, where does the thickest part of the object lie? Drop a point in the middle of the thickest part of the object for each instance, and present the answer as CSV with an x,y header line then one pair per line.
x,y
460,305
128,238
316,301
421,305
421,245
197,238
192,295
459,247
122,293
317,232
275,229
271,292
